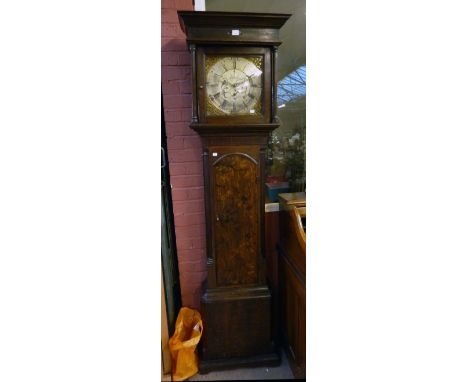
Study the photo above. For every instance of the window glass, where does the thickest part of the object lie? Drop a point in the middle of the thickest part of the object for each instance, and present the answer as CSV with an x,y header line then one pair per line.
x,y
286,148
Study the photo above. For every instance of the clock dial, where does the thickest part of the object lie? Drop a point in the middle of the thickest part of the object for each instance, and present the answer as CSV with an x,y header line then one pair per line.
x,y
234,85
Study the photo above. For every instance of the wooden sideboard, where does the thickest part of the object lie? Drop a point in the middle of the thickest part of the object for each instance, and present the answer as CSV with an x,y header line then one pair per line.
x,y
292,276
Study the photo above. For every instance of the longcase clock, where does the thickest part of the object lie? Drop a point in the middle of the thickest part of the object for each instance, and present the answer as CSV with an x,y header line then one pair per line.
x,y
234,109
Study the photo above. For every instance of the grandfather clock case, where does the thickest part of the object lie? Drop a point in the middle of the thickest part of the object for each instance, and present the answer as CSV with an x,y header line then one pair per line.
x,y
234,83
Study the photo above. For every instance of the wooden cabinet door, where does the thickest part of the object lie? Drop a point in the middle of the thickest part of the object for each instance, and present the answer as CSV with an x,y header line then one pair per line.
x,y
235,214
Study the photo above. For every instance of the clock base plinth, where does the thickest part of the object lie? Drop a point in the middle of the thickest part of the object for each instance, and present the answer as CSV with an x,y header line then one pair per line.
x,y
237,330
271,359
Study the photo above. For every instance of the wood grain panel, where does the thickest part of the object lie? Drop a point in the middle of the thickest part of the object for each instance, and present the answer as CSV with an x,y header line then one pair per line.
x,y
236,219
236,326
292,293
293,315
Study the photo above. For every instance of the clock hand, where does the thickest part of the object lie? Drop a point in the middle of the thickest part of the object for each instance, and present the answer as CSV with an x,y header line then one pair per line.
x,y
240,83
232,85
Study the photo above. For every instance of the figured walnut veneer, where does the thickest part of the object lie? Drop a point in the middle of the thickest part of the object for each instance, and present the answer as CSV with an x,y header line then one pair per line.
x,y
236,228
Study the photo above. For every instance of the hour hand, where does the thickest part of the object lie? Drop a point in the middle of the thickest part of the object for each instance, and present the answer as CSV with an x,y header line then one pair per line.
x,y
232,85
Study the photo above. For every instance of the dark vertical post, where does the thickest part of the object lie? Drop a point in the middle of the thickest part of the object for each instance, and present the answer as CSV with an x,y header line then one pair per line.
x,y
193,53
262,257
274,102
210,263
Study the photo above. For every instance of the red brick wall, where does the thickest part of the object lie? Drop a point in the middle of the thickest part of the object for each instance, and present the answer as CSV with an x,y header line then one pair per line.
x,y
185,153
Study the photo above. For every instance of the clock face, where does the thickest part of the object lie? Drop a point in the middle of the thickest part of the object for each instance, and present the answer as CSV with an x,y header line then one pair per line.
x,y
234,85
